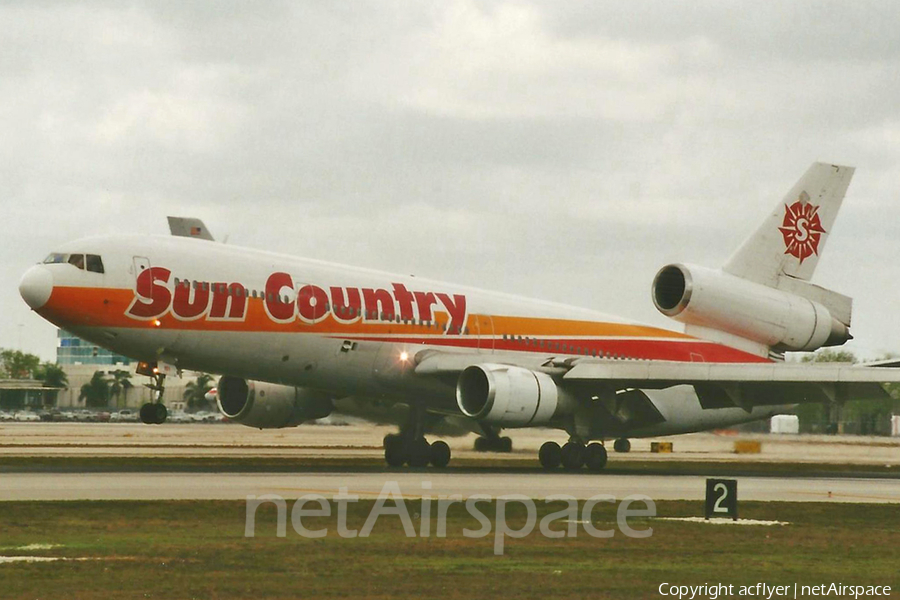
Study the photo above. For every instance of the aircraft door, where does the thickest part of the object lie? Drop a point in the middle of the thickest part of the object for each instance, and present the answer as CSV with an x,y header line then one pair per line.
x,y
141,264
484,331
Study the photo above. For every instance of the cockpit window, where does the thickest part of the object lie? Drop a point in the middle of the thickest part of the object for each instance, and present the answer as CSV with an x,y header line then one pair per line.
x,y
94,263
91,262
56,258
77,260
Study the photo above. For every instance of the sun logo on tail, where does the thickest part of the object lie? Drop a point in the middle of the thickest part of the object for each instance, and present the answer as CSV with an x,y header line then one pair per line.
x,y
802,229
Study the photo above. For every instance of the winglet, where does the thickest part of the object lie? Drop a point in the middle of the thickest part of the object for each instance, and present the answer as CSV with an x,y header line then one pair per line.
x,y
189,227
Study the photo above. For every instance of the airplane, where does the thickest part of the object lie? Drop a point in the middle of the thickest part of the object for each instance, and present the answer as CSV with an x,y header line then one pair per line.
x,y
293,338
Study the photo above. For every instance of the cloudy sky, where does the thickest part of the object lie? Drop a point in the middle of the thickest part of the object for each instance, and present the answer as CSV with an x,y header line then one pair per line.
x,y
562,150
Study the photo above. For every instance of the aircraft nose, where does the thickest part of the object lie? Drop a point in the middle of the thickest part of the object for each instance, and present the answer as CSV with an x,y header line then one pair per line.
x,y
36,286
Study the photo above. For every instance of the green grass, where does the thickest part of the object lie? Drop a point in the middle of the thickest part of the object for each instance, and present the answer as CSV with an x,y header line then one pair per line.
x,y
487,464
198,549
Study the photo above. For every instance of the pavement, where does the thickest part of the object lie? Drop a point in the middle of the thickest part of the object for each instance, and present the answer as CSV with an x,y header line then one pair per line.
x,y
540,485
364,440
357,440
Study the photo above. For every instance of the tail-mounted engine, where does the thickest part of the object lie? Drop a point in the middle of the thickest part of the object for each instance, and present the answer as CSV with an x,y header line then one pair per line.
x,y
269,405
778,319
509,396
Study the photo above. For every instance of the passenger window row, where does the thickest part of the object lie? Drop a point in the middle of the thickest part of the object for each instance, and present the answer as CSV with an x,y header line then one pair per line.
x,y
562,347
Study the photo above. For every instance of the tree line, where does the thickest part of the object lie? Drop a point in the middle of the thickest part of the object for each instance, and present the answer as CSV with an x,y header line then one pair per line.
x,y
102,389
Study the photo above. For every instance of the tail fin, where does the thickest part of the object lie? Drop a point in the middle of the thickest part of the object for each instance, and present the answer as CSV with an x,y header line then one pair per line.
x,y
189,227
791,239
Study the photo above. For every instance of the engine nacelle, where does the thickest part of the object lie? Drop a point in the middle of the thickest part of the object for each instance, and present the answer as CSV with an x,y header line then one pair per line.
x,y
717,300
509,396
269,405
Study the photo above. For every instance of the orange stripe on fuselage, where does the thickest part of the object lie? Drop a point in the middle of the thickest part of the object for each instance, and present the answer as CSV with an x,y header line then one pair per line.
x,y
105,307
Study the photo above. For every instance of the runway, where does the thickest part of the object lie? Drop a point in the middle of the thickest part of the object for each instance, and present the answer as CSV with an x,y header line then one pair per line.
x,y
359,440
788,460
237,486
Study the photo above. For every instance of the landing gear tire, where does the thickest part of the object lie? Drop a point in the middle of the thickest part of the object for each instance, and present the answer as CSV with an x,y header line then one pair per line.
x,y
394,450
595,457
440,454
550,455
572,456
496,444
419,452
622,445
153,413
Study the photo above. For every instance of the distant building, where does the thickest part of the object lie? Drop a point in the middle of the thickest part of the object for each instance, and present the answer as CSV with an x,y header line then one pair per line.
x,y
80,359
72,350
22,393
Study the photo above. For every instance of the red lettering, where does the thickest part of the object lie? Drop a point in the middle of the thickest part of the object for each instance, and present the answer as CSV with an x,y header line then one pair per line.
x,y
378,302
424,300
231,300
456,308
190,303
348,310
277,309
152,296
311,303
404,299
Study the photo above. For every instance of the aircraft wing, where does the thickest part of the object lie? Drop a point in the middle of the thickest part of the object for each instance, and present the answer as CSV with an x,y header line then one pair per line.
x,y
717,385
745,385
646,373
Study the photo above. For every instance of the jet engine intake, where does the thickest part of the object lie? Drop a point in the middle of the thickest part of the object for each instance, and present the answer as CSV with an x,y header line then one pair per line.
x,y
508,396
714,299
269,405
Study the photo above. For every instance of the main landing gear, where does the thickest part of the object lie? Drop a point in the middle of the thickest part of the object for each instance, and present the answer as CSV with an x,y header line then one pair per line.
x,y
492,442
154,413
409,447
622,445
401,449
573,455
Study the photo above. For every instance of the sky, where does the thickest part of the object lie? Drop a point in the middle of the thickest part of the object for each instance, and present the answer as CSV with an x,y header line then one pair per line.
x,y
559,150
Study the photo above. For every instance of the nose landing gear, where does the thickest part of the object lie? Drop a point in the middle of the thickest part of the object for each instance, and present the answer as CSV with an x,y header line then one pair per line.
x,y
153,413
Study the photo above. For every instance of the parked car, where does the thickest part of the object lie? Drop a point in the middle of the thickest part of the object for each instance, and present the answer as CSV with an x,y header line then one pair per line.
x,y
124,416
52,415
27,416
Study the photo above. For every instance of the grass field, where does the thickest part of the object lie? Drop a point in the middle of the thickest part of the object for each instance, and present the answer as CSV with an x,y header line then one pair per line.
x,y
286,464
198,550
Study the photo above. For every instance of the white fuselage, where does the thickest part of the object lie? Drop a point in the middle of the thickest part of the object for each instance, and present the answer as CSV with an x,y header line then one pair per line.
x,y
222,309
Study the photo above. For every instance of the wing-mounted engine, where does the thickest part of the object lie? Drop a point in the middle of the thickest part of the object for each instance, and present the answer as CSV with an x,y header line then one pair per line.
x,y
510,396
269,405
778,319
